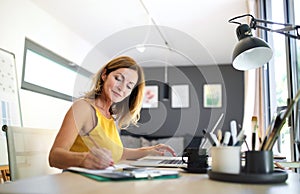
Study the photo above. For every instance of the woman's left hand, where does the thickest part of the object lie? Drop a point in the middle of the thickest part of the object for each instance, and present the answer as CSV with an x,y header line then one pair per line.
x,y
160,150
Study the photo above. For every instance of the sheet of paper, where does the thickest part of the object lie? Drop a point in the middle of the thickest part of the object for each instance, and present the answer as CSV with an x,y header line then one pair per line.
x,y
110,169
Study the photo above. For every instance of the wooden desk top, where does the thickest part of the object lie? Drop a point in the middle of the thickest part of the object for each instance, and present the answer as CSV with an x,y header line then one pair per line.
x,y
4,167
69,182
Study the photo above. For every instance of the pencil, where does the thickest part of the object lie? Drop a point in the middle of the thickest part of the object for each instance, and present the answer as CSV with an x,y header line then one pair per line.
x,y
219,135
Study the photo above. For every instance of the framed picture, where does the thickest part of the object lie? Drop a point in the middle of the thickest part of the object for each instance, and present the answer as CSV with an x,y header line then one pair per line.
x,y
212,95
180,96
150,99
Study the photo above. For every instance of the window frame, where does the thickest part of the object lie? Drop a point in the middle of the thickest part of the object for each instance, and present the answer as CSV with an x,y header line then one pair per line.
x,y
57,59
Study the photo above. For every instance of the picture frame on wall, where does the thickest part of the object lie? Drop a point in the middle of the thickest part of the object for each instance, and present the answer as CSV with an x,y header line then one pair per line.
x,y
180,96
212,95
150,99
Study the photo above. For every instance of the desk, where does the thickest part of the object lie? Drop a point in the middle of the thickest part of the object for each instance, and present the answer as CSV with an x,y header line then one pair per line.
x,y
69,182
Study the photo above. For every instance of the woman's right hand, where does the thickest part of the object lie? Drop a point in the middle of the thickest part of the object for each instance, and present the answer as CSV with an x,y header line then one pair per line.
x,y
97,158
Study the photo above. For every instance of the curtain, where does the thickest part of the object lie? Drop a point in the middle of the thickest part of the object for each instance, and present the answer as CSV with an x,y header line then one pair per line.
x,y
254,105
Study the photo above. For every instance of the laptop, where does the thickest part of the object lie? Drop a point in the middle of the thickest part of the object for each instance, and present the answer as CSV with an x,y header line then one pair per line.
x,y
160,161
166,161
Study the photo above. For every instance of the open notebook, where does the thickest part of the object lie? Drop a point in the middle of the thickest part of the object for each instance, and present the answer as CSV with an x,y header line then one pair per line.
x,y
160,161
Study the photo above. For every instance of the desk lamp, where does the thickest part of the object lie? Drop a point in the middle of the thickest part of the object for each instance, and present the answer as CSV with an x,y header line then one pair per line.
x,y
252,52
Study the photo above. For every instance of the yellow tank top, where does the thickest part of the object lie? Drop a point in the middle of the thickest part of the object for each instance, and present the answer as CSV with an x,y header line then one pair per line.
x,y
105,134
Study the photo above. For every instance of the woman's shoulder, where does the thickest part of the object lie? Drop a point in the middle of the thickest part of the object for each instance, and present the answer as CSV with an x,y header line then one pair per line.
x,y
83,102
83,105
85,114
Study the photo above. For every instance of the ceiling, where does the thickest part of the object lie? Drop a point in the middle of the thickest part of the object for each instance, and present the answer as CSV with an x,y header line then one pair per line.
x,y
196,31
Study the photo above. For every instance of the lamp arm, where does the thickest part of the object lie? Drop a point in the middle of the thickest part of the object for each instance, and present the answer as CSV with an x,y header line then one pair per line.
x,y
284,31
255,20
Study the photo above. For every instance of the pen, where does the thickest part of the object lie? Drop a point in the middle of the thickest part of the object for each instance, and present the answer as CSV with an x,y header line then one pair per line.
x,y
247,145
233,130
204,139
92,140
241,141
207,135
240,136
213,139
217,123
226,138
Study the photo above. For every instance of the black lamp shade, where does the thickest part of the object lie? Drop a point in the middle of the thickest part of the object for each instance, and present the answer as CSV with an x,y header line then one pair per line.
x,y
250,52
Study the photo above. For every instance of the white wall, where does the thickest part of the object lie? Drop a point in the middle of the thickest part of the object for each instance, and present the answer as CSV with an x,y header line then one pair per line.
x,y
20,19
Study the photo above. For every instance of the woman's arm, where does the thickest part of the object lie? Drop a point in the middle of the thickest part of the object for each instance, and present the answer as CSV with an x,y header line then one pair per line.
x,y
60,156
77,118
157,150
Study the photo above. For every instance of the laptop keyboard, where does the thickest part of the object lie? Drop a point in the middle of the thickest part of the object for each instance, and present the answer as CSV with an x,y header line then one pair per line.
x,y
171,161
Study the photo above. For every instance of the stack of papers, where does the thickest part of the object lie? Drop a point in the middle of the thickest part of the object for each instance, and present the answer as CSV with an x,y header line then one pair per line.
x,y
125,172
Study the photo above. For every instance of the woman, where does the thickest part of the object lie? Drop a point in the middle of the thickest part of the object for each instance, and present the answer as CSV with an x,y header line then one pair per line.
x,y
88,136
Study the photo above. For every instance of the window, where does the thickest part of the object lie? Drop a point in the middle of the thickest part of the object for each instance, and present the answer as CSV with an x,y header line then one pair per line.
x,y
281,72
47,73
278,73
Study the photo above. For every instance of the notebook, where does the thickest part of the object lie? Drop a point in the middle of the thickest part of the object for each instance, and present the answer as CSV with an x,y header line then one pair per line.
x,y
160,161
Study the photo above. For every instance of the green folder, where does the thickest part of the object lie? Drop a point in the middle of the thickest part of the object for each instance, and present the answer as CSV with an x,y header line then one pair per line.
x,y
136,174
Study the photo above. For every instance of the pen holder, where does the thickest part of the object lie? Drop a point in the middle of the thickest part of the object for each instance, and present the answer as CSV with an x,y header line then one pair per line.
x,y
226,159
259,162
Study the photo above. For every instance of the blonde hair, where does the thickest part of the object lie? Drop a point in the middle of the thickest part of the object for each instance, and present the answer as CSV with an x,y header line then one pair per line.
x,y
128,110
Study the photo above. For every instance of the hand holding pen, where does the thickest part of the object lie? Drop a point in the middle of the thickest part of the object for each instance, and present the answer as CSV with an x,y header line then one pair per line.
x,y
98,157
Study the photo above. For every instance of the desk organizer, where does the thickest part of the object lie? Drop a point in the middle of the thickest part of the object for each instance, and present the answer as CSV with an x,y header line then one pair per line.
x,y
258,169
277,176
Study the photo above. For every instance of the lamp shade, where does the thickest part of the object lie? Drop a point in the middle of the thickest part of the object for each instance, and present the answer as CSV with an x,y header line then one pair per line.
x,y
250,52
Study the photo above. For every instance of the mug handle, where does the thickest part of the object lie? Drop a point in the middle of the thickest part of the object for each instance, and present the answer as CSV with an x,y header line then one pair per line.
x,y
184,155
